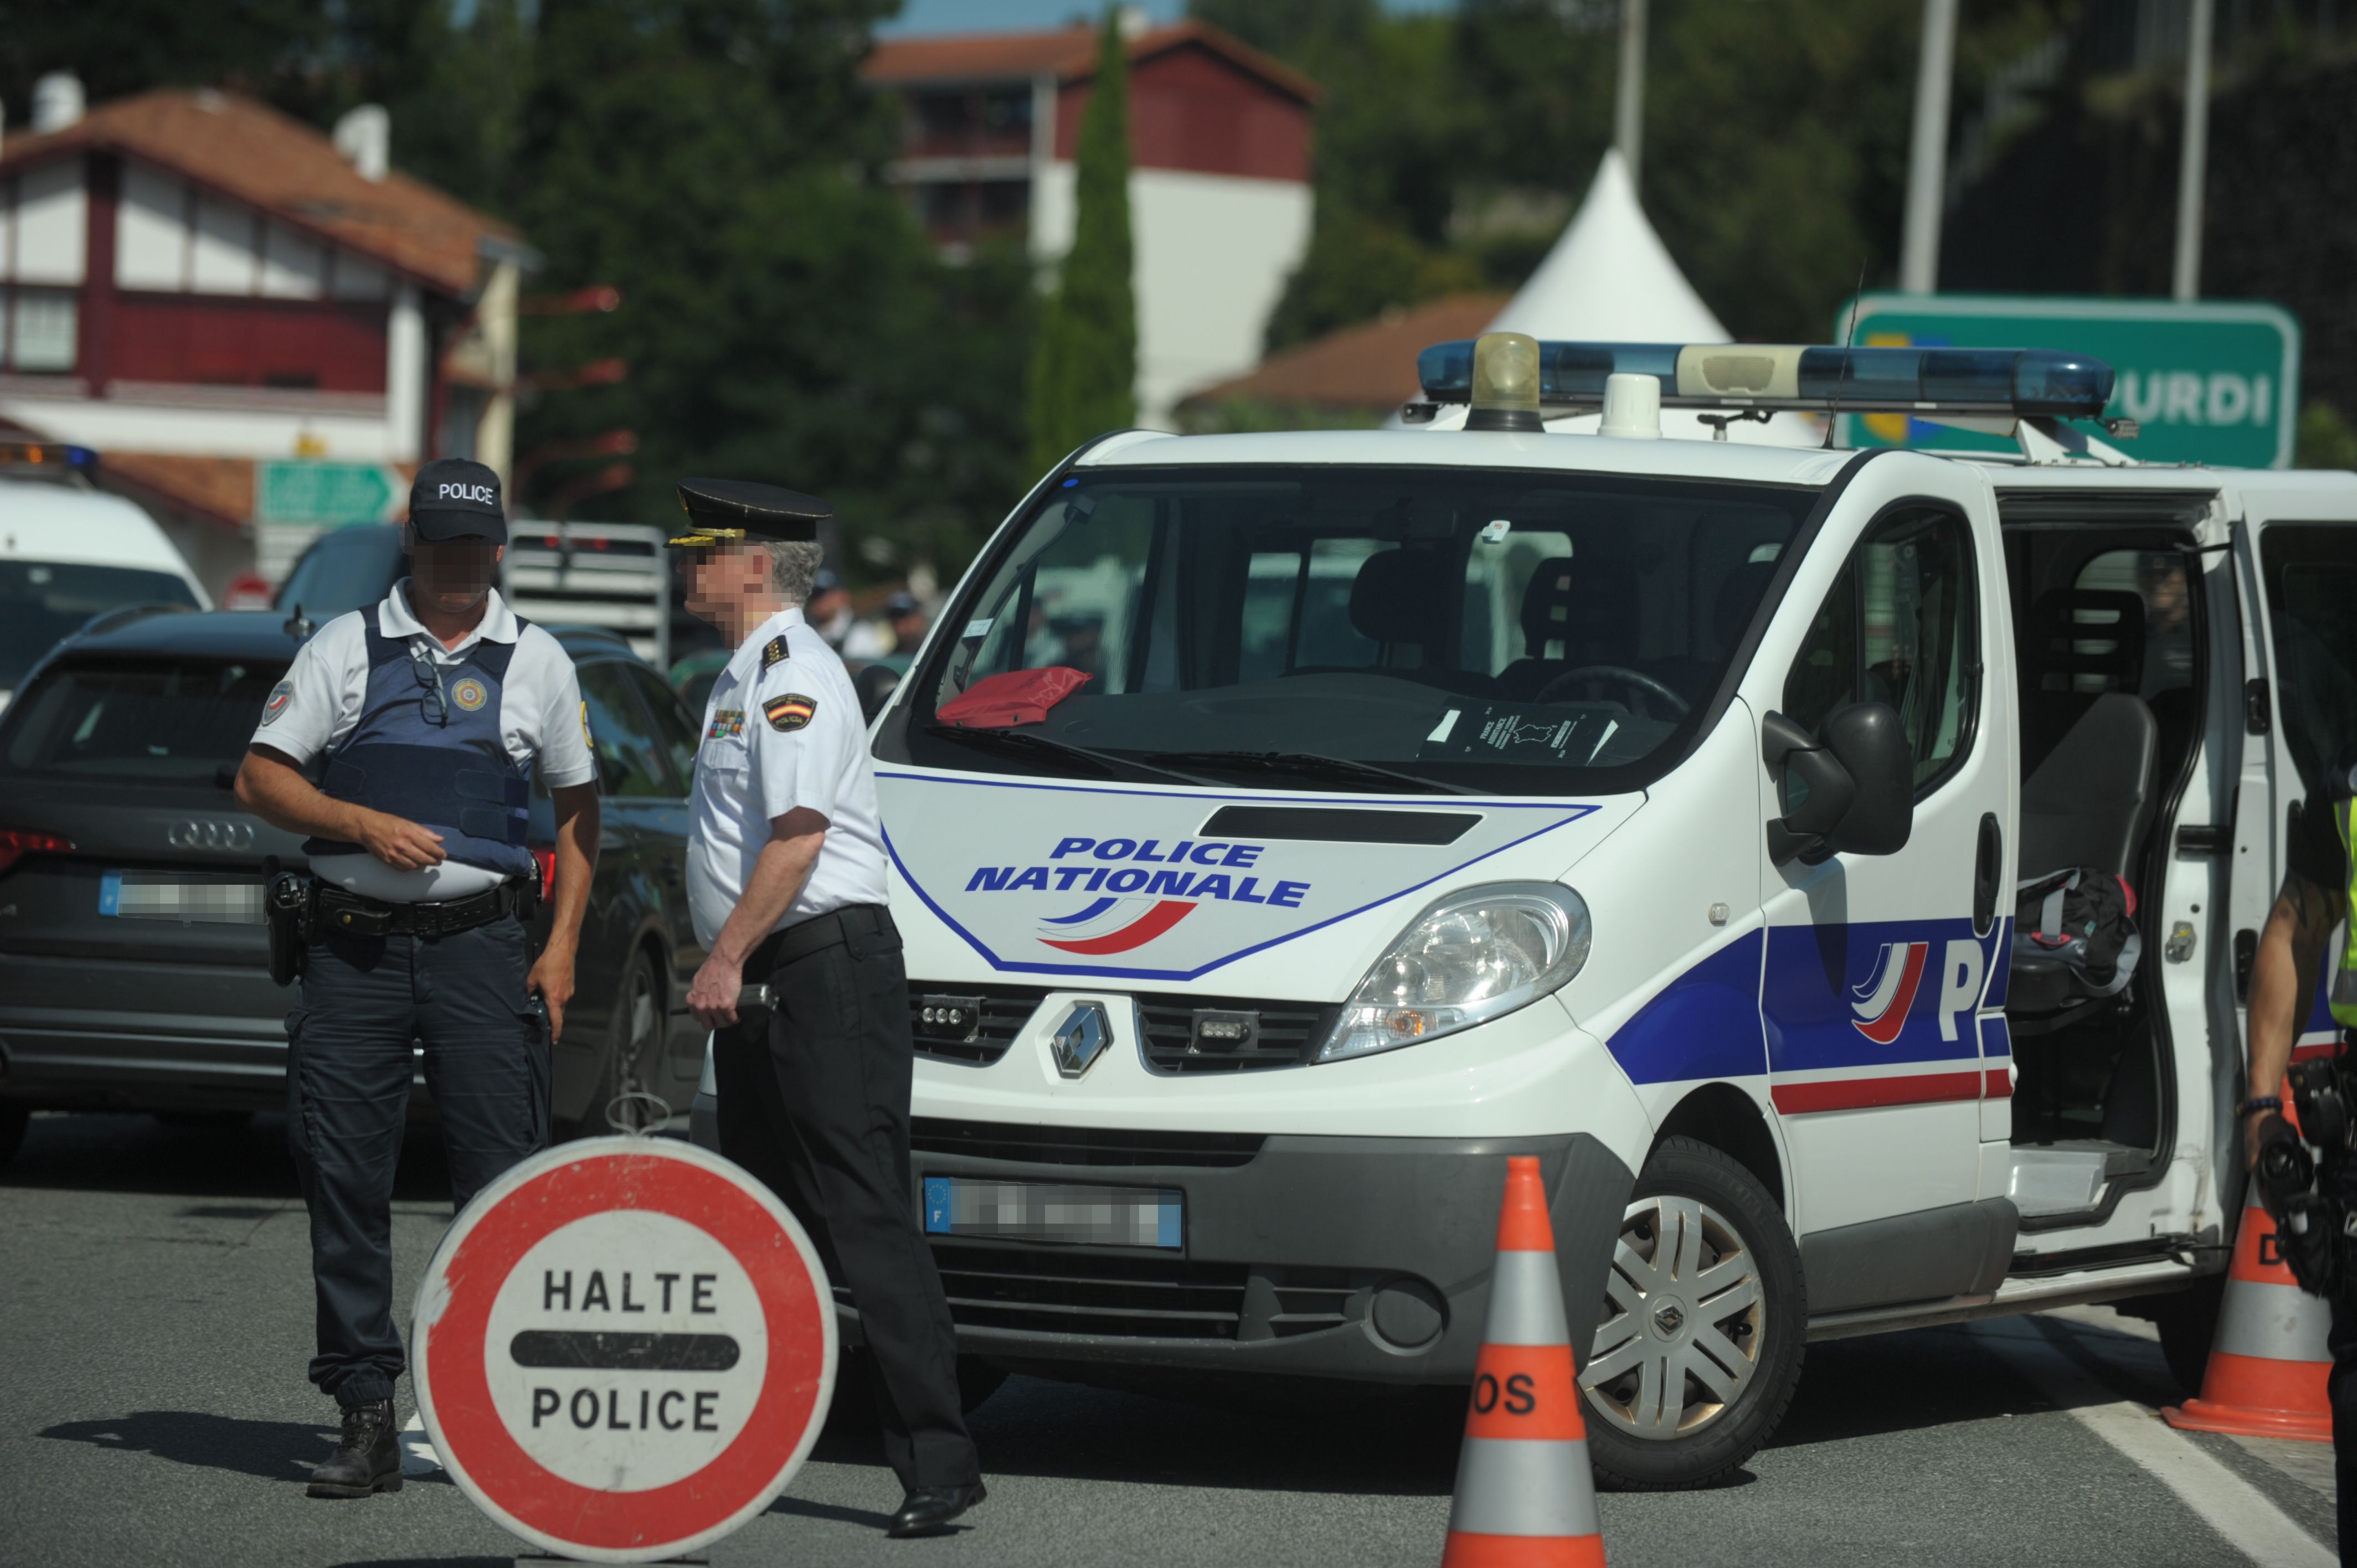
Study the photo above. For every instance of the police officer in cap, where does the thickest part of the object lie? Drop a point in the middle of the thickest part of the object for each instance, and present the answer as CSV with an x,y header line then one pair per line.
x,y
786,880
426,717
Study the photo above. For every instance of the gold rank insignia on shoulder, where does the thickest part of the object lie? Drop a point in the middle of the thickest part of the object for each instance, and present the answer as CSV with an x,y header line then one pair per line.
x,y
790,712
774,652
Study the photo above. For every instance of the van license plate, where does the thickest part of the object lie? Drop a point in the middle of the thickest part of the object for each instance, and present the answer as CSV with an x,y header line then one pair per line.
x,y
171,895
1037,1212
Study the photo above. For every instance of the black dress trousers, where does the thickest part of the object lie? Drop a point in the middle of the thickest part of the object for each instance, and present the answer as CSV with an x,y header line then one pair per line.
x,y
365,1001
816,1105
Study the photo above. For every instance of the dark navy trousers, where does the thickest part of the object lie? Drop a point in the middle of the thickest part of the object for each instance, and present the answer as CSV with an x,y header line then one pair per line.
x,y
349,1062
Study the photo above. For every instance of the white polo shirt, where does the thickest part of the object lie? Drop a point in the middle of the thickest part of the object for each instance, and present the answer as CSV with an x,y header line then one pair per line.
x,y
782,730
318,706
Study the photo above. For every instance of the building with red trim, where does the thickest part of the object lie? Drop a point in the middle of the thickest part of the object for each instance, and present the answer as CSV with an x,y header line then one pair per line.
x,y
1220,195
200,289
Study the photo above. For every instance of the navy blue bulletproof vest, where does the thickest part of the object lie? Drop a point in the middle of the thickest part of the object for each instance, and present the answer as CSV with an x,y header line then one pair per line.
x,y
454,776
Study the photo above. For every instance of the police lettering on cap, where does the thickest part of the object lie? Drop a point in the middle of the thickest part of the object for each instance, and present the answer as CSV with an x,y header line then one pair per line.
x,y
727,511
454,498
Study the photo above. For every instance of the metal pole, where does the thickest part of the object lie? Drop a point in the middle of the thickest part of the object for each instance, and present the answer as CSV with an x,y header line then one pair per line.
x,y
2193,164
1629,108
1927,159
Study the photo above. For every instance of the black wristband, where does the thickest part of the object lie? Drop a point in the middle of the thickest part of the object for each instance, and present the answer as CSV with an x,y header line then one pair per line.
x,y
2259,1102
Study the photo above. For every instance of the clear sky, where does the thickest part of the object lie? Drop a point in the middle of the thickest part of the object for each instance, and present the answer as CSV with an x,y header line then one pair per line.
x,y
1012,16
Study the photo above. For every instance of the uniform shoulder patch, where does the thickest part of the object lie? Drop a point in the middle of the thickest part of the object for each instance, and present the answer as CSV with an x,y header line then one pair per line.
x,y
280,696
773,652
790,712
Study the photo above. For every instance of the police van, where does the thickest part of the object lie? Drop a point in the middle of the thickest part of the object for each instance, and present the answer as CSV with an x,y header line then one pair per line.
x,y
1659,807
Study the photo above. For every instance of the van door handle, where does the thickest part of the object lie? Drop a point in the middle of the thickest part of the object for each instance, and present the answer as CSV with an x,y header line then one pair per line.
x,y
1988,868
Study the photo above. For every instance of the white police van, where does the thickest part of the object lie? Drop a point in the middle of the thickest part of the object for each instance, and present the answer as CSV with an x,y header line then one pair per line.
x,y
1652,806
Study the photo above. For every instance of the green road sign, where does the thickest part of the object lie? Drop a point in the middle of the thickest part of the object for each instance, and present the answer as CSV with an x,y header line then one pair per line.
x,y
330,493
2207,384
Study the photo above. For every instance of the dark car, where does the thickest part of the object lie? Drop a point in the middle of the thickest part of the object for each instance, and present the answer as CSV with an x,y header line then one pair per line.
x,y
131,953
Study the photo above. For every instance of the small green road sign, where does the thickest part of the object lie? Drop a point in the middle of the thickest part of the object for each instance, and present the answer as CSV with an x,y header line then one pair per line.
x,y
2216,383
324,493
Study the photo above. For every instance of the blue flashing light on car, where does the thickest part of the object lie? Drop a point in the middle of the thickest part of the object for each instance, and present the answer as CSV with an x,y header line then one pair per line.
x,y
1986,382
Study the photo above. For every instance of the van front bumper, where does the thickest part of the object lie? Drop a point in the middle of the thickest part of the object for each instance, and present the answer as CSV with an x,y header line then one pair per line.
x,y
1359,1259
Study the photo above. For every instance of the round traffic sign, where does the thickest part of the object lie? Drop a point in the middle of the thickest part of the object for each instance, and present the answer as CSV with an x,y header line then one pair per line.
x,y
624,1348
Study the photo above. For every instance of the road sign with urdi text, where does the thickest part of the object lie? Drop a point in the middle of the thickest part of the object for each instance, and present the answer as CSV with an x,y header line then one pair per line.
x,y
624,1349
2214,382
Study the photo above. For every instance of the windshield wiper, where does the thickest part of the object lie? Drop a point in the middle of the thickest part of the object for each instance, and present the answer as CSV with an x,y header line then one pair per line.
x,y
1040,747
1311,764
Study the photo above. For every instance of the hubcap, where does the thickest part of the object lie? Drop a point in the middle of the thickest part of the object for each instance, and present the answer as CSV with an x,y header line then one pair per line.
x,y
1683,1321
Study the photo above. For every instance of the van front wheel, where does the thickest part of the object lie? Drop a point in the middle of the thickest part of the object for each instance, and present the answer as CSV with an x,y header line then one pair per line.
x,y
1704,1322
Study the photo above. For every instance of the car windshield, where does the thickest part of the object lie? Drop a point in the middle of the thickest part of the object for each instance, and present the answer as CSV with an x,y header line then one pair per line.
x,y
347,569
162,721
41,602
1321,628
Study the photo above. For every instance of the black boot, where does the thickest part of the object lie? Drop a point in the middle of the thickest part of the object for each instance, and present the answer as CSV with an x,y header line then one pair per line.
x,y
368,1457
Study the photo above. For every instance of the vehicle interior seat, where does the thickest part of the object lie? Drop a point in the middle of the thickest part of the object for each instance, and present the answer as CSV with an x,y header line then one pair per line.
x,y
1574,613
2090,746
1730,611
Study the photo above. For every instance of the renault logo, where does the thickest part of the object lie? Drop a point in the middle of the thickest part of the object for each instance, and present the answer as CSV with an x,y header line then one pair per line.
x,y
1082,1037
198,833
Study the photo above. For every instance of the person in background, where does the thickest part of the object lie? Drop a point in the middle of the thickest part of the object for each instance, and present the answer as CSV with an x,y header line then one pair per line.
x,y
900,629
829,610
786,880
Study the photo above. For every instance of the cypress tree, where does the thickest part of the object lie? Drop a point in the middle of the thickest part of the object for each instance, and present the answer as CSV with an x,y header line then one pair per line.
x,y
1084,367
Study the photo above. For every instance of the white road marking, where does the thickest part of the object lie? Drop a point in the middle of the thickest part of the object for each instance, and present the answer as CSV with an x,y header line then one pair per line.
x,y
2221,1499
418,1459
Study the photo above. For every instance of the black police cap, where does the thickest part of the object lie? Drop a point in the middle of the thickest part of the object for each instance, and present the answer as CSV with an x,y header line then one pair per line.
x,y
720,511
455,498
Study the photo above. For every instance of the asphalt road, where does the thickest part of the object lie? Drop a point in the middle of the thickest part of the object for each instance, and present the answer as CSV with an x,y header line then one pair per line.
x,y
154,1321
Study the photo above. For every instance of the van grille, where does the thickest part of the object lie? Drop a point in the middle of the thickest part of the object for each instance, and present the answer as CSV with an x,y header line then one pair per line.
x,y
1078,1290
1286,1034
1028,1145
1005,1010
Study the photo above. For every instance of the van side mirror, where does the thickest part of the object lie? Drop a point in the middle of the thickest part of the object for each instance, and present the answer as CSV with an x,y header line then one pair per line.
x,y
1857,784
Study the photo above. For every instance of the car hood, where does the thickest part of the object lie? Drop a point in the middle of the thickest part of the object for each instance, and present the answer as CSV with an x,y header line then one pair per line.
x,y
1277,894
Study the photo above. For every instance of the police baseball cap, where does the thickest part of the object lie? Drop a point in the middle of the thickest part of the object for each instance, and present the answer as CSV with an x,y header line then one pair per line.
x,y
457,499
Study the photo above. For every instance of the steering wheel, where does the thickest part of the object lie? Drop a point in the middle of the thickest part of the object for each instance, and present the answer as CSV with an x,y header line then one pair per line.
x,y
1636,679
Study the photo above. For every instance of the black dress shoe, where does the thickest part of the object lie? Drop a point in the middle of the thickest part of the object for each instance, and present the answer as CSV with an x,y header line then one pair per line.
x,y
928,1510
367,1457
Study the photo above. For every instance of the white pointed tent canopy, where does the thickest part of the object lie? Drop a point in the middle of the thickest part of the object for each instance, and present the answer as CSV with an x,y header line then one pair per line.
x,y
1609,279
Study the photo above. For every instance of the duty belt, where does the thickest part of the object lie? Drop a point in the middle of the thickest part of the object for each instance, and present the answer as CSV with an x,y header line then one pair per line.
x,y
353,915
817,934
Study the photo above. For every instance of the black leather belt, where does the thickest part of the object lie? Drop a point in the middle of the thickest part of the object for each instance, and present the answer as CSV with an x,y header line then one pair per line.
x,y
817,934
353,915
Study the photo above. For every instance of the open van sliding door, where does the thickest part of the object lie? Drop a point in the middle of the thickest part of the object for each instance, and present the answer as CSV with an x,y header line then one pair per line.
x,y
2296,553
1877,968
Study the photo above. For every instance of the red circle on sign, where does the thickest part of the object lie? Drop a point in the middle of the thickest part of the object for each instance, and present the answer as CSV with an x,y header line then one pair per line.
x,y
527,1206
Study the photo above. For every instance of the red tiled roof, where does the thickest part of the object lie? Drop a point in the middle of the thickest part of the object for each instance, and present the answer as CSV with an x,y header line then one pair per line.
x,y
253,152
1069,54
1372,366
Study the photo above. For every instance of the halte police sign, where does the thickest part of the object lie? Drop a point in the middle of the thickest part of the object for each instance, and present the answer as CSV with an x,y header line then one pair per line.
x,y
2214,383
624,1349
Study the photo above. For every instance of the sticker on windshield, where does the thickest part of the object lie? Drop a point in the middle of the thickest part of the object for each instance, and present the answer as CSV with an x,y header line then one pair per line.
x,y
280,696
1500,731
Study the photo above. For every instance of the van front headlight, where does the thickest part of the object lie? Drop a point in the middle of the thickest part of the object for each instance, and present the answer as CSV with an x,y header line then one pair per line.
x,y
1474,955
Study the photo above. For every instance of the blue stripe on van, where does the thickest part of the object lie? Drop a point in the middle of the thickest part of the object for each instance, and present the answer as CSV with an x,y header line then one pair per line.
x,y
1704,1024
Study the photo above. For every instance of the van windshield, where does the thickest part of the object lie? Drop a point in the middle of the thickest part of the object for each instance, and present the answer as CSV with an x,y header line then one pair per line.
x,y
1409,629
43,602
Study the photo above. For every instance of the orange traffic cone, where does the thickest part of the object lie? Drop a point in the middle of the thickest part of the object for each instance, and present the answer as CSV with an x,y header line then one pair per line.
x,y
1525,1498
2268,1363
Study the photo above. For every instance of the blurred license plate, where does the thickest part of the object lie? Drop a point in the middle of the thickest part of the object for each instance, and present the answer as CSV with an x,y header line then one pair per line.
x,y
172,895
1037,1212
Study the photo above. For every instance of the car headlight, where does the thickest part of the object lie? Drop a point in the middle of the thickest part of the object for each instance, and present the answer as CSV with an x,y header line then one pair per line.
x,y
1474,955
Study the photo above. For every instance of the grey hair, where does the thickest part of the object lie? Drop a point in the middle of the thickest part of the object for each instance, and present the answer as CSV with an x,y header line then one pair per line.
x,y
793,566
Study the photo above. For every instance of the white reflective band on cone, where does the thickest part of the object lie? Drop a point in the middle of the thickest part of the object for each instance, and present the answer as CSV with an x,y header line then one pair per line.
x,y
1522,1486
2274,1323
1526,1301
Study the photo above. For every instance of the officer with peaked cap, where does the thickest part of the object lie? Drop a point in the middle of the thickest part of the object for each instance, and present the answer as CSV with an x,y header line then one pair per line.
x,y
428,714
786,882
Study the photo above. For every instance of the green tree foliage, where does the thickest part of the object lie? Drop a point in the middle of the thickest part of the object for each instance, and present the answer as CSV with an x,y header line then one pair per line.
x,y
1084,366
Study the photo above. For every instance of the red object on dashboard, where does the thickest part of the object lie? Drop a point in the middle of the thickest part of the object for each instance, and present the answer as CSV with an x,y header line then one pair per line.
x,y
1018,697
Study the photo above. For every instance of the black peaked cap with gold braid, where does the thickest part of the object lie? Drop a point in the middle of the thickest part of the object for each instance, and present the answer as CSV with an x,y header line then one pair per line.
x,y
722,511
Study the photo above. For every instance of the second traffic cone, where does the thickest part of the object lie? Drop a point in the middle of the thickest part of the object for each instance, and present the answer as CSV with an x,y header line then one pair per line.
x,y
1525,1497
2267,1364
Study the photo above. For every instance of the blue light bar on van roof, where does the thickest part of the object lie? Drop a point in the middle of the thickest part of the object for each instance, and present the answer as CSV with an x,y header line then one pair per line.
x,y
1777,376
